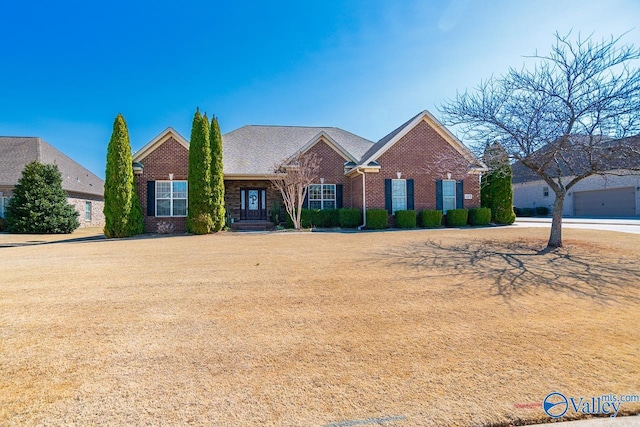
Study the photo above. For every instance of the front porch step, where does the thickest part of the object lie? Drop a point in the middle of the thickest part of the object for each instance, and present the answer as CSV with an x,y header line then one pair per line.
x,y
252,226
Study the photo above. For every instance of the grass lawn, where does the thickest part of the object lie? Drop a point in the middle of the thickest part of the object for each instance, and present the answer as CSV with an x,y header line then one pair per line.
x,y
445,327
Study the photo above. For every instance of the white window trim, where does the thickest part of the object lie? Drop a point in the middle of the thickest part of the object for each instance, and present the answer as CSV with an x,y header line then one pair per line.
x,y
395,208
545,191
171,199
322,199
454,197
89,212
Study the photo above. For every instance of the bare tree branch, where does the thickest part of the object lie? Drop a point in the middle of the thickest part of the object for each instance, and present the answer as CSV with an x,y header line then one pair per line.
x,y
293,177
574,114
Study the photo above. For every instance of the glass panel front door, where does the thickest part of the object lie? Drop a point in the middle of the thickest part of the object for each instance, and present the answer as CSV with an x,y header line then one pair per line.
x,y
253,204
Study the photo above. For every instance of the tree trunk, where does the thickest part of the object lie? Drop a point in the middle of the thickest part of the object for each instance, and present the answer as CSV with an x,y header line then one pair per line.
x,y
555,238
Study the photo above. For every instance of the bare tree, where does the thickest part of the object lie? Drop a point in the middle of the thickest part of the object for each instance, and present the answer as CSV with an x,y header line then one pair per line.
x,y
292,179
564,120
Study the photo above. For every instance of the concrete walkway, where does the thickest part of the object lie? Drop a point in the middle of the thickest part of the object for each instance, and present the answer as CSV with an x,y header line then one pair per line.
x,y
624,225
632,421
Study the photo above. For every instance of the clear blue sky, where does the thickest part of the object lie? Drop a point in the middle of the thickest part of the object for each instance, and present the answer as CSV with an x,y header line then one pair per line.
x,y
68,67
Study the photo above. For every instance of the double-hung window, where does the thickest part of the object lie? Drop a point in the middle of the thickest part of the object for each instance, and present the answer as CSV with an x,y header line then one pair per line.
x,y
87,211
171,198
448,195
322,196
398,195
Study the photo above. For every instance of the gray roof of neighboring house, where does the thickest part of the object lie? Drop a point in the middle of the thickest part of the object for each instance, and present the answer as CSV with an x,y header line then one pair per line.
x,y
626,157
16,152
256,150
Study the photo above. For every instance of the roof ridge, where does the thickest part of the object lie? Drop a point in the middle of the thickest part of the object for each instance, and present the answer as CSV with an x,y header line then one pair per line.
x,y
16,137
295,126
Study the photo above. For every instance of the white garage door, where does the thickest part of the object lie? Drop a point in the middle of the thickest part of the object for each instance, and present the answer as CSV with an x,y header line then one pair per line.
x,y
610,202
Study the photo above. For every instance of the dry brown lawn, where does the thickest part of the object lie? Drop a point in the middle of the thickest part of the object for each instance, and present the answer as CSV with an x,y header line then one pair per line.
x,y
446,327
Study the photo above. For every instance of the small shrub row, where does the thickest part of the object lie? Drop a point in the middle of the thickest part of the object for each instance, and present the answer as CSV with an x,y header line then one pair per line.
x,y
537,211
3,225
328,218
378,219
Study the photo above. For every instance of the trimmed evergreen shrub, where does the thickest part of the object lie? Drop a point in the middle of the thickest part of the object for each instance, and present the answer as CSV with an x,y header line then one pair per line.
x,y
431,218
199,217
305,219
496,191
217,177
377,219
3,225
542,211
39,204
122,212
349,217
274,213
406,219
457,217
525,212
479,216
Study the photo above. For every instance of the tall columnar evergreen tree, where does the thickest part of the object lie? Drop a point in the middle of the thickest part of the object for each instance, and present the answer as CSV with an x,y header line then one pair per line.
x,y
39,204
217,176
496,191
122,212
199,220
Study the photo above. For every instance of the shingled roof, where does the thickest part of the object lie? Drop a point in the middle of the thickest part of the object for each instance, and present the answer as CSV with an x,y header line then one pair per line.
x,y
255,150
625,154
16,152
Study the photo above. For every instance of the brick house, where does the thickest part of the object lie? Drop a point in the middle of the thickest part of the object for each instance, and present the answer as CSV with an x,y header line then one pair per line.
x,y
420,165
85,191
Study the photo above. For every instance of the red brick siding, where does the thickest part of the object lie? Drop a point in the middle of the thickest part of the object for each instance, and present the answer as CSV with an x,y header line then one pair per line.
x,y
232,195
417,157
169,157
332,168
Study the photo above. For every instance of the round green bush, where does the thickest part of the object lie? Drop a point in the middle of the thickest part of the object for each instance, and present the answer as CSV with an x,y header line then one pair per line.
x,y
349,217
457,217
405,219
479,216
377,219
431,218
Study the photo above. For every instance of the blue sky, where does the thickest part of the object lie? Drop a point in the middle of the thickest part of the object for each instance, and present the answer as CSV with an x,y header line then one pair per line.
x,y
67,68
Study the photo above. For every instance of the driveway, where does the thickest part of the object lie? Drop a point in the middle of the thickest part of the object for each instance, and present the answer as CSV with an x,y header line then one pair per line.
x,y
624,225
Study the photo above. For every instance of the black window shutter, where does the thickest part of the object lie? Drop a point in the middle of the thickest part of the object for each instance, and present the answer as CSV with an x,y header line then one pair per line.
x,y
410,194
338,196
439,195
387,195
151,198
459,195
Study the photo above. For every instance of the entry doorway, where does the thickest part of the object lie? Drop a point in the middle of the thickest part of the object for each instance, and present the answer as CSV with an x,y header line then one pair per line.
x,y
253,204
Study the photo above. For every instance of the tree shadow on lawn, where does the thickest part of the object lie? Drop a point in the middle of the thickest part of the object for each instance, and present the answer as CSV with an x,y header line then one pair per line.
x,y
515,268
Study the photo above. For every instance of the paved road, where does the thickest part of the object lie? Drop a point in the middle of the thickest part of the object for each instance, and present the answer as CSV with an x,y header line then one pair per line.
x,y
623,225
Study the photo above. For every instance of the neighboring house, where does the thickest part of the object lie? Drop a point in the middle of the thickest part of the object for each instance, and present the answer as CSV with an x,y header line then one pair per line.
x,y
613,195
419,165
84,189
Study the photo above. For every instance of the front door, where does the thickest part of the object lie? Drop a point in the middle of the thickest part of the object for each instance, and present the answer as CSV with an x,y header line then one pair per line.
x,y
253,203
